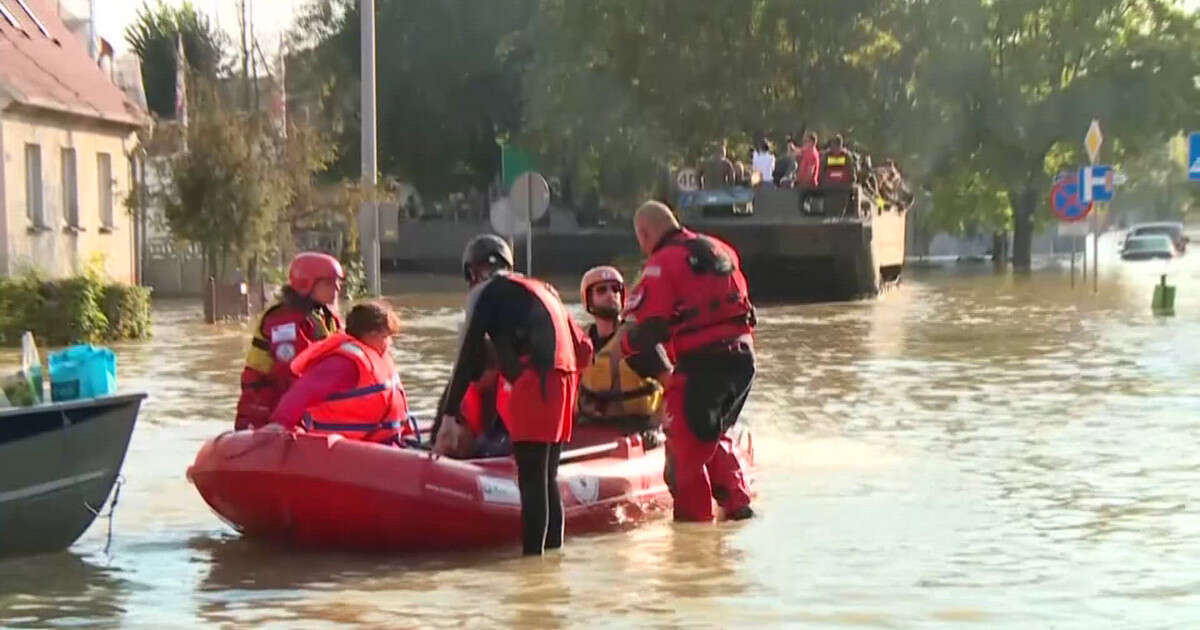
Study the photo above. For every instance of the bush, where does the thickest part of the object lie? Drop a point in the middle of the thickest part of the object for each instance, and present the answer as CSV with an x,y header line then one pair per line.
x,y
82,309
127,309
72,312
20,305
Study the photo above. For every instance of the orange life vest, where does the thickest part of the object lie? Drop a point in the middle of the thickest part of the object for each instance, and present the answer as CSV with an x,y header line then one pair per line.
x,y
375,410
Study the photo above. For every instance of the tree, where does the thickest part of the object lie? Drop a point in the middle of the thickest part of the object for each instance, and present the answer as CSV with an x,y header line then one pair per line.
x,y
242,190
1158,188
972,98
225,192
153,36
621,91
449,84
1020,81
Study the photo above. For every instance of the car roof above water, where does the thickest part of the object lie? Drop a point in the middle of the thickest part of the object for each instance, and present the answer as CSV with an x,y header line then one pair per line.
x,y
1175,225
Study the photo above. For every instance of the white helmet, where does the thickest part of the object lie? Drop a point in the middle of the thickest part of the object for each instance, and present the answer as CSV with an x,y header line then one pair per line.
x,y
594,276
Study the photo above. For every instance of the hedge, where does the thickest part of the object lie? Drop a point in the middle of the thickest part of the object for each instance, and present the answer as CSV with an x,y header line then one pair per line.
x,y
81,309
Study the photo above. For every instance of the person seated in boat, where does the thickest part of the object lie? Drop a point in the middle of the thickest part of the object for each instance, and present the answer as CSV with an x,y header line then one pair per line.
x,y
305,313
480,430
610,392
347,383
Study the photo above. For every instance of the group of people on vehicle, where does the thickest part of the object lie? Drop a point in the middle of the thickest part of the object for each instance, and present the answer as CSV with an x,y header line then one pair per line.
x,y
830,172
676,355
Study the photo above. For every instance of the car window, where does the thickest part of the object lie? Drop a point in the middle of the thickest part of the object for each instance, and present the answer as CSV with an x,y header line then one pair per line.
x,y
1147,244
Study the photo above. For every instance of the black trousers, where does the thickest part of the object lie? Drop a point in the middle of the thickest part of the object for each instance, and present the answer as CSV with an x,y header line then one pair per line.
x,y
716,385
541,503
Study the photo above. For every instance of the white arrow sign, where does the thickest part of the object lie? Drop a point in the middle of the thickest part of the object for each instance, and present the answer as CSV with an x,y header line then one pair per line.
x,y
1096,183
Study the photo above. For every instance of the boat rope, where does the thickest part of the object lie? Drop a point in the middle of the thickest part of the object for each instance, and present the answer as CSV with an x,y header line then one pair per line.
x,y
112,509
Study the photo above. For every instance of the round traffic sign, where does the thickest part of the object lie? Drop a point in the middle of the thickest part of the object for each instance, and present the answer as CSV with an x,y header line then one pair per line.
x,y
1066,202
530,196
503,221
688,180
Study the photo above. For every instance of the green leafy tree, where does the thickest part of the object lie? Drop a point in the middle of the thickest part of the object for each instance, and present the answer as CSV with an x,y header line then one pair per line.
x,y
620,92
153,36
448,84
1158,188
981,102
242,190
225,192
1019,82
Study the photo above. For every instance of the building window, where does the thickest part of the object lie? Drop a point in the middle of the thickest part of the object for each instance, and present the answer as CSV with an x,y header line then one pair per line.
x,y
33,186
104,181
70,189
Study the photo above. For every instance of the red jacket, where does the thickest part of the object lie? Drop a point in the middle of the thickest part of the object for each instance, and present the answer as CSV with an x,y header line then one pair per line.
x,y
281,333
692,286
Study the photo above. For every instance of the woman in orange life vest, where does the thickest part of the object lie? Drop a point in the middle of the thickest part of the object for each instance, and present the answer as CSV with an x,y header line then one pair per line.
x,y
348,383
304,314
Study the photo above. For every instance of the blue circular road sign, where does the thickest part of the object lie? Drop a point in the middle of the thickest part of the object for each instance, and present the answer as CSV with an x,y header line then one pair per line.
x,y
1066,202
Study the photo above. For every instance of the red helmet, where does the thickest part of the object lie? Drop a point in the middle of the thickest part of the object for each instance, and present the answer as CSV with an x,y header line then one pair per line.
x,y
594,276
309,267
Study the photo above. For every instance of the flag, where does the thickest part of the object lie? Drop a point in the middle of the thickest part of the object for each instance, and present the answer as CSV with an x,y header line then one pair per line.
x,y
514,161
181,109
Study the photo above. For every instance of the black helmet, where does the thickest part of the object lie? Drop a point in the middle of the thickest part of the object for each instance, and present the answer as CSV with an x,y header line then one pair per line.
x,y
486,249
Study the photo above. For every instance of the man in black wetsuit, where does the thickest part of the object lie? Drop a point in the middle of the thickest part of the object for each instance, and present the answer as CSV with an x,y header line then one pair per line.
x,y
539,349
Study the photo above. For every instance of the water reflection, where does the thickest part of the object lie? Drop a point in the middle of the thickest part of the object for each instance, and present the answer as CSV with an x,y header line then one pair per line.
x,y
538,595
59,590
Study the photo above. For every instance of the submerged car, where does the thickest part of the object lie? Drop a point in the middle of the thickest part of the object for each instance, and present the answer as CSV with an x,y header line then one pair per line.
x,y
1171,230
1148,247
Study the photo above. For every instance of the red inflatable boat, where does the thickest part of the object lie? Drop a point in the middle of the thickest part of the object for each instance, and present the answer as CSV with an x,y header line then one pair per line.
x,y
330,492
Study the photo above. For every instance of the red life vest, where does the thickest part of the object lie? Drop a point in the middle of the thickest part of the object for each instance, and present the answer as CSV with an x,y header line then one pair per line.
x,y
713,300
375,410
473,408
572,348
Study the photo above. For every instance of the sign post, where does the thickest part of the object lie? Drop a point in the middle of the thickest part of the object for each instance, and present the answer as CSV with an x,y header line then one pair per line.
x,y
1092,141
529,199
1073,231
368,213
1194,156
1066,201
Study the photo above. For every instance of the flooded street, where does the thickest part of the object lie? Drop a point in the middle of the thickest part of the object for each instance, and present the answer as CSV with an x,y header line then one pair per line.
x,y
970,450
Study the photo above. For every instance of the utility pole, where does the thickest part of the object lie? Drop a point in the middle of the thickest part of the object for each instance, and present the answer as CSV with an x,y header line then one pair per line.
x,y
241,7
257,106
368,217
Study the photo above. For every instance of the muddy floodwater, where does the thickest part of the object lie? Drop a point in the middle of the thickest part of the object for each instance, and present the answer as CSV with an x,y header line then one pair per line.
x,y
969,451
